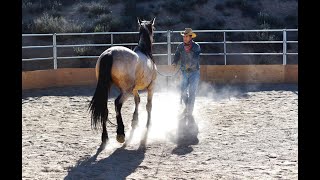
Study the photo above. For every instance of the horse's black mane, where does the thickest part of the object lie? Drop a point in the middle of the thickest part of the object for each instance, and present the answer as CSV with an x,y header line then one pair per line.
x,y
145,45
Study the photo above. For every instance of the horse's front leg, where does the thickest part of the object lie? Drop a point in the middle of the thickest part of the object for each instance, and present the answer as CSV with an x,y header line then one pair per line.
x,y
120,128
135,114
149,102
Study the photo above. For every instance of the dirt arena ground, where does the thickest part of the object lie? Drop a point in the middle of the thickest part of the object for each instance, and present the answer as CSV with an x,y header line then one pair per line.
x,y
236,132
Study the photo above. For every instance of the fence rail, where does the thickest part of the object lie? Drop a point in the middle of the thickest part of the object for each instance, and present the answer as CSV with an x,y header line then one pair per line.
x,y
168,35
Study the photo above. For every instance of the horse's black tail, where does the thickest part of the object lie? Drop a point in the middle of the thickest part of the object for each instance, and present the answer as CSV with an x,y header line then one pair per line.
x,y
98,104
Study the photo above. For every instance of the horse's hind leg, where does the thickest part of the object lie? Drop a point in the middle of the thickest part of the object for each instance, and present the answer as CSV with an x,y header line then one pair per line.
x,y
135,114
118,105
104,136
149,102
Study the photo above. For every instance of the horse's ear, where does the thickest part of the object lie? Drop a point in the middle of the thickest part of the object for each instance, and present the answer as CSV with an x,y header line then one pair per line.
x,y
139,20
152,21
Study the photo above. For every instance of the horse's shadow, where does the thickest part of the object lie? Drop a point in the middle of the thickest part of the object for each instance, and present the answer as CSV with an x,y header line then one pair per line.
x,y
186,135
120,164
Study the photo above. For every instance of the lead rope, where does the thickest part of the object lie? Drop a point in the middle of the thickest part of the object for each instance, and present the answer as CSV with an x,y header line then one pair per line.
x,y
114,125
169,75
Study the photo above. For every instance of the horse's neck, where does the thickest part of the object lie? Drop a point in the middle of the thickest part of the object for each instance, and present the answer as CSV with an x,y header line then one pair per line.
x,y
144,48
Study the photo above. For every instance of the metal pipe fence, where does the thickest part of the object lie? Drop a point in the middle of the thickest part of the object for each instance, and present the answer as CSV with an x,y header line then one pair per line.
x,y
169,42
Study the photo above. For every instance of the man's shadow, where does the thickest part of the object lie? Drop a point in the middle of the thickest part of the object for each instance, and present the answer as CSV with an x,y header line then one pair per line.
x,y
186,135
120,164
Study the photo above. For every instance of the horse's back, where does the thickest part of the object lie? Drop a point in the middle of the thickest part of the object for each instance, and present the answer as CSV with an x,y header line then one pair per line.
x,y
145,71
124,59
121,53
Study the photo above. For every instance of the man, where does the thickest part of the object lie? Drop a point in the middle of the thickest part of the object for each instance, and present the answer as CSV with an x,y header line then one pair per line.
x,y
189,54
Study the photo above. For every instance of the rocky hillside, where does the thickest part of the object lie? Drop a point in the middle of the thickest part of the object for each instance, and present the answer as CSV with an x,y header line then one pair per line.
x,y
40,16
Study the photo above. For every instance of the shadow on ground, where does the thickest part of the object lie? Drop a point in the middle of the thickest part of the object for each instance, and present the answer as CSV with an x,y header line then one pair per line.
x,y
186,135
120,164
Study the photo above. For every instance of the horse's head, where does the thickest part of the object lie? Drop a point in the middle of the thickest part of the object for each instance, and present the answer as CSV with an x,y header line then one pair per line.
x,y
146,28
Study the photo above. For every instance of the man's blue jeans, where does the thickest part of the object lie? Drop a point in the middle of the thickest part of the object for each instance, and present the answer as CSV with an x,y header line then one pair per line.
x,y
189,86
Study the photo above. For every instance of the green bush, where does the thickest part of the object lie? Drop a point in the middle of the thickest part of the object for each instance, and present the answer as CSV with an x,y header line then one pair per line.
x,y
233,3
113,1
247,9
225,13
83,51
175,6
49,24
186,18
265,19
219,7
103,23
93,9
291,21
34,6
168,22
216,24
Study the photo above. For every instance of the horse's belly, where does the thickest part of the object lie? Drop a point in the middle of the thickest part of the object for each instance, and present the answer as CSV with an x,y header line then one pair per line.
x,y
142,83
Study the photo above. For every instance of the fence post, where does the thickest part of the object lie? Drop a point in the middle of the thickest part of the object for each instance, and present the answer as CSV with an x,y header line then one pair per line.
x,y
55,63
169,46
169,53
111,39
224,48
284,47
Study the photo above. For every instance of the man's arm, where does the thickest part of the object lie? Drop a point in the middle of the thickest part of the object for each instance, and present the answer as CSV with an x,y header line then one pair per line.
x,y
176,56
197,51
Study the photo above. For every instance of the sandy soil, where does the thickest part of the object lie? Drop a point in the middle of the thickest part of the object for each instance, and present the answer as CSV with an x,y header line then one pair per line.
x,y
237,132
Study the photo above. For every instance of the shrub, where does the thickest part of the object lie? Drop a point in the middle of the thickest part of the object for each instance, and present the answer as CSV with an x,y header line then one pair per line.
x,y
247,9
168,22
82,51
186,18
264,19
225,13
103,23
233,3
93,9
291,21
216,24
34,6
49,24
174,6
202,1
219,7
141,11
113,1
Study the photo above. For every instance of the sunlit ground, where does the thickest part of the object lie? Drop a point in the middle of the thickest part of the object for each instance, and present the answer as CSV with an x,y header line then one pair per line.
x,y
166,109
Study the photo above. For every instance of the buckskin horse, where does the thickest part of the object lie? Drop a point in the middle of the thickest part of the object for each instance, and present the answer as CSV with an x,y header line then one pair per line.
x,y
130,71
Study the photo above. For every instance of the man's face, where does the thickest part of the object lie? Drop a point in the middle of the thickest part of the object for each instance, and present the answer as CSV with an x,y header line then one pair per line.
x,y
187,39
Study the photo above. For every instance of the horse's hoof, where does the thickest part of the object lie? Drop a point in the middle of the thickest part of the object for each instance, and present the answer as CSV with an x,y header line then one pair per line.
x,y
121,138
